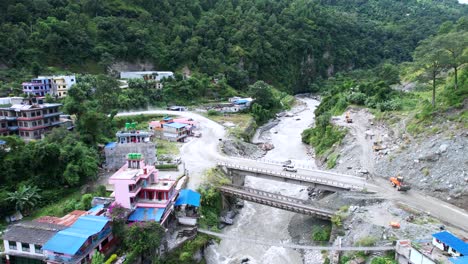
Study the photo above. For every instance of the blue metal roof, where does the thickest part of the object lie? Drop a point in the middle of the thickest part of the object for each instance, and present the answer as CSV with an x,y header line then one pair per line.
x,y
111,145
175,125
70,240
452,241
96,208
146,214
459,260
167,118
2,142
187,196
241,101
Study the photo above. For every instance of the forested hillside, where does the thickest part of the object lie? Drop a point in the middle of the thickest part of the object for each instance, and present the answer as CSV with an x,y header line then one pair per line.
x,y
287,43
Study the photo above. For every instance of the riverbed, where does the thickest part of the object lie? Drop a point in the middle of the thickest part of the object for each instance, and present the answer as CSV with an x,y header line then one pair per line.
x,y
263,222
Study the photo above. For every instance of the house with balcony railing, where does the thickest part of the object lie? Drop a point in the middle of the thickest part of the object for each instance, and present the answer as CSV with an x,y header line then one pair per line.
x,y
78,243
138,187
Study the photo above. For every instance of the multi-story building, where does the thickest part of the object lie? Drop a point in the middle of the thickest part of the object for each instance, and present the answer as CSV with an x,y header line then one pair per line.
x,y
78,243
171,129
37,87
29,120
129,141
23,241
153,76
60,84
138,187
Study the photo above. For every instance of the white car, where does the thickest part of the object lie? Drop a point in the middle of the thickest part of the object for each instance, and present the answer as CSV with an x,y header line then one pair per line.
x,y
290,168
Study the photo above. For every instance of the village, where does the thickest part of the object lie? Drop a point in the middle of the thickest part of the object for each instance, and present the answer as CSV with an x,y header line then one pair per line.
x,y
148,188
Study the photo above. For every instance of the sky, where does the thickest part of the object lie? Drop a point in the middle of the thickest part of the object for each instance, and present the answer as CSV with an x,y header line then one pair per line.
x,y
463,1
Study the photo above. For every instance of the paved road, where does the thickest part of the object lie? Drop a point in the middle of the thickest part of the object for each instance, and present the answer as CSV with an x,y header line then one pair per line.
x,y
293,246
202,153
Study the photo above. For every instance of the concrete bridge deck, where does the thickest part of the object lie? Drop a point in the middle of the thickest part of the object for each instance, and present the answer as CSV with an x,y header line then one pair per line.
x,y
277,201
319,179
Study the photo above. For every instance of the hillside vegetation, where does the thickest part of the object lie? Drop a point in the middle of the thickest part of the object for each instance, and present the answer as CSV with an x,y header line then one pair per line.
x,y
288,43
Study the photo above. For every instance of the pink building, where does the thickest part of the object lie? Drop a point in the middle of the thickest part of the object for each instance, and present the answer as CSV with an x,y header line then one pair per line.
x,y
137,187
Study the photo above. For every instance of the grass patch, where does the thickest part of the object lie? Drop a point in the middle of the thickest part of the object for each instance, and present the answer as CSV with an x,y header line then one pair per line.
x,y
366,241
166,167
321,233
58,208
164,147
331,160
323,138
241,120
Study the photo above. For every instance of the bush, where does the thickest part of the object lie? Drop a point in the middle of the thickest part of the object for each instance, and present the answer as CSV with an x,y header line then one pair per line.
x,y
166,166
321,233
111,259
392,105
357,98
367,241
213,112
323,138
382,260
331,161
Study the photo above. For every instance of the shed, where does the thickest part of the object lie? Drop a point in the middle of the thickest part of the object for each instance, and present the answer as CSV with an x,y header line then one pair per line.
x,y
448,242
187,196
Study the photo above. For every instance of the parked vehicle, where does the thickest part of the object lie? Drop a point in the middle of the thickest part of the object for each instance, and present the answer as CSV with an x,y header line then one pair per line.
x,y
290,168
287,163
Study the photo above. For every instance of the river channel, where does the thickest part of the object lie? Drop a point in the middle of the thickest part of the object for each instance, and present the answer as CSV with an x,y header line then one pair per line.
x,y
263,222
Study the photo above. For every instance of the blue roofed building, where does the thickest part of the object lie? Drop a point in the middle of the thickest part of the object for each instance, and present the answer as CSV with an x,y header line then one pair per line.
x,y
186,207
459,260
447,242
78,243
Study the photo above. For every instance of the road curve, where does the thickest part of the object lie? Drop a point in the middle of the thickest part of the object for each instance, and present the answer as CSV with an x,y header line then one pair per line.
x,y
203,153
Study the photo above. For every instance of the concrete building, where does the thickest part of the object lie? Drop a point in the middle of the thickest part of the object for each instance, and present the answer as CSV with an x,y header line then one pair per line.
x,y
154,76
130,141
23,241
169,129
138,187
37,87
30,119
60,84
78,243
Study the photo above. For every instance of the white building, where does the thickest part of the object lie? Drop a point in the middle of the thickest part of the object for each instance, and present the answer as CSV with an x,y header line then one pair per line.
x,y
23,241
61,84
156,76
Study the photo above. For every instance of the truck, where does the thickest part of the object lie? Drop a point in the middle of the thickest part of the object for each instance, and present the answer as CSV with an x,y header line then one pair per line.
x,y
398,183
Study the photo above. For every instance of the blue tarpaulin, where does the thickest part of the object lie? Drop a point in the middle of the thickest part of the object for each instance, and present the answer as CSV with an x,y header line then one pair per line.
x,y
146,214
459,260
70,240
452,241
187,196
110,145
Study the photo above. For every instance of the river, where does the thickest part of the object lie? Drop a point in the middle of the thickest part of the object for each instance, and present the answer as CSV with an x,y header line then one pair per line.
x,y
259,221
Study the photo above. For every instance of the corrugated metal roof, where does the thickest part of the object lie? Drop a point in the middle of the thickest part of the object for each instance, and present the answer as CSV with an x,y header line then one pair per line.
x,y
70,240
31,232
175,125
146,214
187,196
452,241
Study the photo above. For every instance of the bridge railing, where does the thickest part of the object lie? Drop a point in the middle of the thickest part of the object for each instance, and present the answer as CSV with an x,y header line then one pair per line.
x,y
290,206
290,176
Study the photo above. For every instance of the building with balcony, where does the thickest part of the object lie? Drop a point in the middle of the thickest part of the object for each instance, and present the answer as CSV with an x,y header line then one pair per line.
x,y
60,84
78,243
30,119
151,76
37,87
138,187
23,241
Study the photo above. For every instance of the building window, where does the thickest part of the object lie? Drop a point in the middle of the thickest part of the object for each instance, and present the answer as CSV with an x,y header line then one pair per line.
x,y
12,245
26,134
38,249
25,247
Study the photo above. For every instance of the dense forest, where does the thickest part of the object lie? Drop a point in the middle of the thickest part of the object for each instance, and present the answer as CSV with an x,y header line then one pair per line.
x,y
287,43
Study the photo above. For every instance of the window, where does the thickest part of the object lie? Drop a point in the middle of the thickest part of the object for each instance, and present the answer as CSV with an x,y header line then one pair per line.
x,y
12,245
25,247
38,249
26,134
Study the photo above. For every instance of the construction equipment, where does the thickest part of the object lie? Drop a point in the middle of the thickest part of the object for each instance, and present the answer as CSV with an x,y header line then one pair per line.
x,y
348,117
397,182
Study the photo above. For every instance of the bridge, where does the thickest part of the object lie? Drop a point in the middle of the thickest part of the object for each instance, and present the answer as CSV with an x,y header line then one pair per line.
x,y
257,241
277,201
319,179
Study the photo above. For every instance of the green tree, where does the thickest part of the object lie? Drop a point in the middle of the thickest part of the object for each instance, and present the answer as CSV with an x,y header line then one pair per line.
x,y
98,258
454,43
144,239
432,59
25,198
